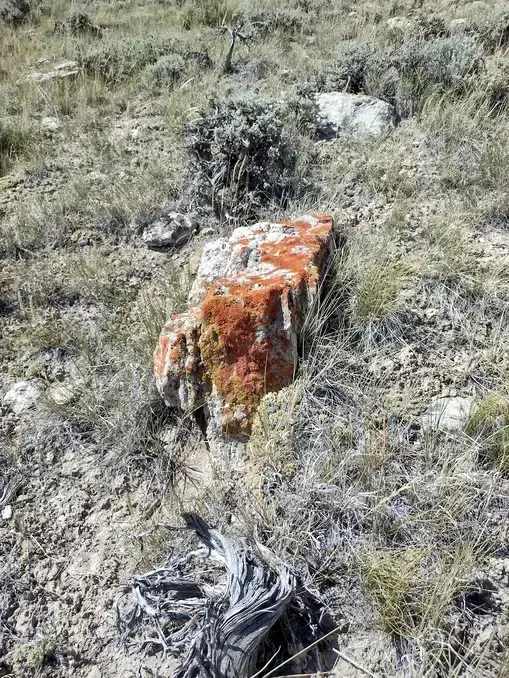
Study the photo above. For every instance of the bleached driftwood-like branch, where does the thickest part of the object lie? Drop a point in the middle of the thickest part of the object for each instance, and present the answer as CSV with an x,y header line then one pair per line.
x,y
221,625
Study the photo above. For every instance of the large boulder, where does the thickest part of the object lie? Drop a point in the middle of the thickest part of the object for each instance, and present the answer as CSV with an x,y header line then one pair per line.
x,y
240,337
358,114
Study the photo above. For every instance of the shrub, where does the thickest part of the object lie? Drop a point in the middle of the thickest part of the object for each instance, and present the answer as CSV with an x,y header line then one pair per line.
x,y
14,11
78,23
494,28
165,72
405,75
444,61
116,61
348,72
496,92
424,66
242,155
430,25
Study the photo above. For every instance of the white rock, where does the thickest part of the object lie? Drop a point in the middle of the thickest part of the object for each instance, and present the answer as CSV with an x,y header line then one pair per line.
x,y
399,24
458,25
51,124
171,231
450,413
359,114
7,512
61,394
21,396
66,66
53,75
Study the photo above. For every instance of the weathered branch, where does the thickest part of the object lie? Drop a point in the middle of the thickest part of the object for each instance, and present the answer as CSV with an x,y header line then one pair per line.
x,y
221,625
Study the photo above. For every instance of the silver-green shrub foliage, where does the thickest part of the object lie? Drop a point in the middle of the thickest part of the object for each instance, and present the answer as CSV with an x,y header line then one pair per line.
x,y
243,155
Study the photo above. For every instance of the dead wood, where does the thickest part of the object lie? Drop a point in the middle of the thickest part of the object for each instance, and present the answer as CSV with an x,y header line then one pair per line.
x,y
220,624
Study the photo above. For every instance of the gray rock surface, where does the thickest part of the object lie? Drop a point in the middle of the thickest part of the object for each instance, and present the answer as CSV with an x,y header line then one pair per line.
x,y
359,114
65,69
449,413
21,396
173,230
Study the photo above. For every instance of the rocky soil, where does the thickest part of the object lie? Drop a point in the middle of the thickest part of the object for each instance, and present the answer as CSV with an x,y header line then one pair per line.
x,y
382,474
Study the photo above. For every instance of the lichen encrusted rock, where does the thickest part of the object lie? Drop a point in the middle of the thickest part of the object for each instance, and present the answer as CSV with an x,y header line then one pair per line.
x,y
240,338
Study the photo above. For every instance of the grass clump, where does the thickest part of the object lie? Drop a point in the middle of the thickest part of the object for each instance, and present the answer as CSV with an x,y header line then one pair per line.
x,y
282,21
489,424
213,13
390,578
243,156
32,656
377,279
16,138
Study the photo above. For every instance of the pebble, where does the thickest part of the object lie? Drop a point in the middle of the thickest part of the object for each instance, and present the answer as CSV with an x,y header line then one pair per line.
x,y
7,512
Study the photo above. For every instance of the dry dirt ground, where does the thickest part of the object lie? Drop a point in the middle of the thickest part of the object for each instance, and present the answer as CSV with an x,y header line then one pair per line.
x,y
401,524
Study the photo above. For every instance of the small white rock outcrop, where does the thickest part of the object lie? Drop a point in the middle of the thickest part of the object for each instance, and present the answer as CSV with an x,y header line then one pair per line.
x,y
172,230
21,396
358,114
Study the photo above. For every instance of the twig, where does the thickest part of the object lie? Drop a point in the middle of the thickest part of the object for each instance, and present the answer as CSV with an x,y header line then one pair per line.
x,y
353,663
235,34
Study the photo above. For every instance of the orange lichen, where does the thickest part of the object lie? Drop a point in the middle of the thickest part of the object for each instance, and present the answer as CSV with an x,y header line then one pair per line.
x,y
160,355
244,365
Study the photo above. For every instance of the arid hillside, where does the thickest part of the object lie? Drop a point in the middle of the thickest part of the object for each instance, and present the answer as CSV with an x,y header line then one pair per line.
x,y
136,133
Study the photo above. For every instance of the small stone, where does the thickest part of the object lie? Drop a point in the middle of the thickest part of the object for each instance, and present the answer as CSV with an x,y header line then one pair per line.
x,y
448,413
61,394
173,230
357,114
7,512
208,231
51,124
21,396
